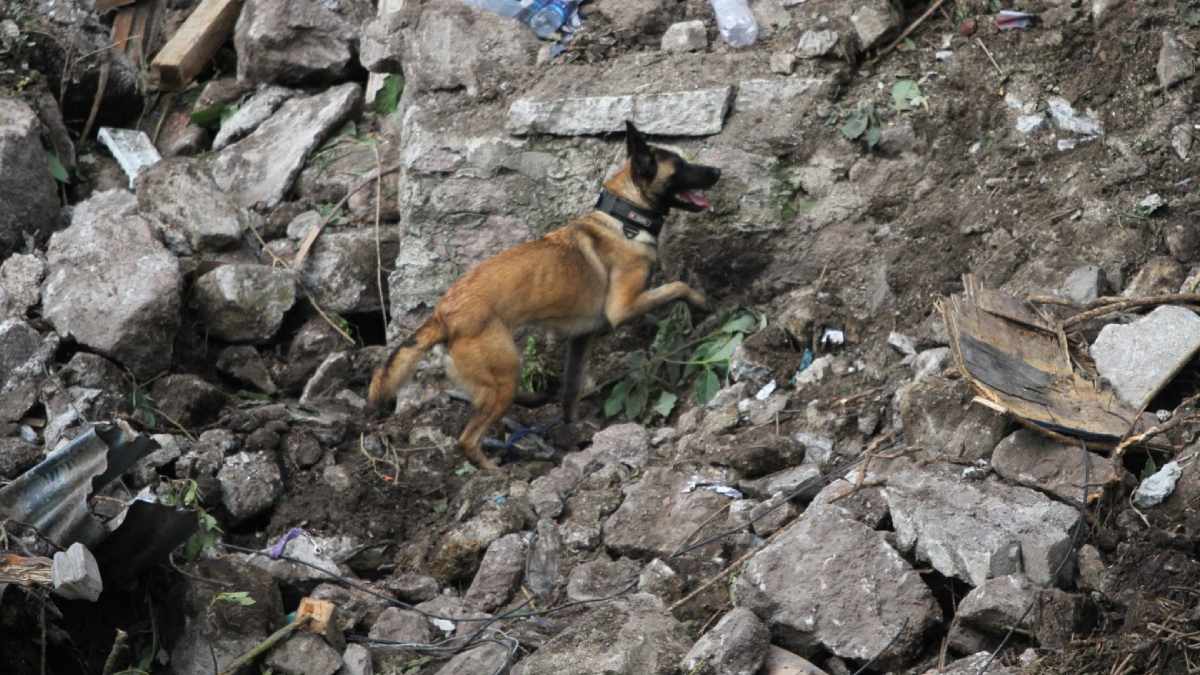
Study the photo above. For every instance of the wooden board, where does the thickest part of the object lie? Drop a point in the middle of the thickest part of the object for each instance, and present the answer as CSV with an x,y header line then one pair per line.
x,y
1016,362
193,45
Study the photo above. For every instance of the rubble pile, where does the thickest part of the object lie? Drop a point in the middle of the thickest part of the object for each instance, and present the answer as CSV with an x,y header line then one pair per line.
x,y
940,419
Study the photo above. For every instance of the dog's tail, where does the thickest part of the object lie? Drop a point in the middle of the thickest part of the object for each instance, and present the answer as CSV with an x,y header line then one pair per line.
x,y
402,362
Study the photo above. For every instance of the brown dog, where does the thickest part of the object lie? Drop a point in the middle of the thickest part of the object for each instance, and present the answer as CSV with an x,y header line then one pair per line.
x,y
580,280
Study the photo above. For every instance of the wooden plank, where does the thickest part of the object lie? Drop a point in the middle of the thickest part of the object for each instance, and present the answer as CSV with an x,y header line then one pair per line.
x,y
139,34
105,5
200,36
121,27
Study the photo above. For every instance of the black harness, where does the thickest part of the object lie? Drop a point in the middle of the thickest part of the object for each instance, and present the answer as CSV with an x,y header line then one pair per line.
x,y
634,219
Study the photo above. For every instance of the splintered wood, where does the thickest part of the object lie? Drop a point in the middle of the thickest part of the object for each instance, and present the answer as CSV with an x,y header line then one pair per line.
x,y
196,41
1019,364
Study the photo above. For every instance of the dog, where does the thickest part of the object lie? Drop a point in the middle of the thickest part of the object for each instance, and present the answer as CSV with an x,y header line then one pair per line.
x,y
581,280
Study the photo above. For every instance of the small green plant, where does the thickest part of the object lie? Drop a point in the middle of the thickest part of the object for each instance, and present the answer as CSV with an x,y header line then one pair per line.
x,y
388,98
213,116
239,598
656,379
414,666
186,494
906,95
534,373
862,124
143,407
57,170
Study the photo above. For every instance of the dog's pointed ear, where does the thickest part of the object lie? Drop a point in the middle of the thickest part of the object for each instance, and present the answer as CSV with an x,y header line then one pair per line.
x,y
641,157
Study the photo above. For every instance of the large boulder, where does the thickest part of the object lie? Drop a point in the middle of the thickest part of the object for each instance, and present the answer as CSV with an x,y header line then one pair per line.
x,y
657,514
30,197
798,583
973,530
258,170
343,269
737,645
113,286
244,303
448,45
298,41
195,214
632,636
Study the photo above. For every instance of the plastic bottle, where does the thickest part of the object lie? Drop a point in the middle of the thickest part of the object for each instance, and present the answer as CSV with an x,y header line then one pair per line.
x,y
736,22
547,16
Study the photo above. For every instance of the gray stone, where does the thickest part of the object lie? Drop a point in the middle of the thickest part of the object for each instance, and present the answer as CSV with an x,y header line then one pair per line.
x,y
330,378
937,415
601,578
244,364
356,660
381,49
999,603
342,270
75,574
1084,284
1093,575
298,41
250,484
1175,63
1140,358
244,303
187,399
930,362
816,43
249,115
582,100
635,16
16,456
181,194
487,659
542,567
782,662
962,527
1034,460
30,195
1101,9
20,285
401,625
299,226
631,636
771,515
338,477
626,443
973,665
412,588
737,645
1155,489
657,578
799,482
451,46
873,20
499,573
461,548
24,354
258,170
113,286
797,586
657,514
685,36
304,654
316,553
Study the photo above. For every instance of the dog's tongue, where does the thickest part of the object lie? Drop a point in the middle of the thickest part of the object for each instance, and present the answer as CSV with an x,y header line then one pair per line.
x,y
695,197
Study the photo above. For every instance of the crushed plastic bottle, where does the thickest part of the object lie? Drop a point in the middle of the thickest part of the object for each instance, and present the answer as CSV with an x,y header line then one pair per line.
x,y
545,17
736,22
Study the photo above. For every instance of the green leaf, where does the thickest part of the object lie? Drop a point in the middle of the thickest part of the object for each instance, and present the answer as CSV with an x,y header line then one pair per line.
x,y
873,137
440,506
665,404
855,125
727,349
212,116
635,403
241,598
906,95
616,399
57,170
465,470
742,323
707,386
388,98
1149,469
189,495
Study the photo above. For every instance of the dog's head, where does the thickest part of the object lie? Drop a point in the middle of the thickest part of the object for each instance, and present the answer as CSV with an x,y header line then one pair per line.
x,y
666,180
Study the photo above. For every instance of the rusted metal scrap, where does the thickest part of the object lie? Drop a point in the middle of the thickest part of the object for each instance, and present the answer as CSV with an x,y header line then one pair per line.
x,y
1018,363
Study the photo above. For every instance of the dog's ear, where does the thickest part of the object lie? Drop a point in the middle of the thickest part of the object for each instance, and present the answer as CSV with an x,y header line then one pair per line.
x,y
641,157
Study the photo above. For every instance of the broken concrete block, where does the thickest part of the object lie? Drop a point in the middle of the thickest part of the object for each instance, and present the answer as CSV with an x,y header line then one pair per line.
x,y
685,36
673,113
873,21
1085,284
1175,63
816,43
75,574
1140,358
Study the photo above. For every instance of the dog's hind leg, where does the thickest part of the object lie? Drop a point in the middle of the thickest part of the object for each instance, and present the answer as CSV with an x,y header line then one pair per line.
x,y
488,366
573,375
